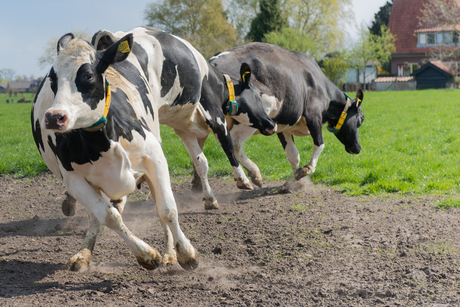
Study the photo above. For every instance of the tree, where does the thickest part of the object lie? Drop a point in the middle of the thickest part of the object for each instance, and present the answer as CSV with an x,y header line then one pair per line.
x,y
291,39
370,48
7,74
201,22
268,20
334,67
381,18
240,13
446,14
322,20
49,53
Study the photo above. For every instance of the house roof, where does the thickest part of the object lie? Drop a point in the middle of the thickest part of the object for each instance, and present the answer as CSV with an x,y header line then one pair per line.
x,y
393,79
404,22
19,85
438,29
438,66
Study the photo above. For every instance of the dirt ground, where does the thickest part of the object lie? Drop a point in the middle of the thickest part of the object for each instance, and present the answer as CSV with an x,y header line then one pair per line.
x,y
309,246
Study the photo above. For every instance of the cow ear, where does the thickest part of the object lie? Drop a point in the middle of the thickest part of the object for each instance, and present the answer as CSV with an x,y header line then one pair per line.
x,y
64,40
102,40
359,97
245,73
117,52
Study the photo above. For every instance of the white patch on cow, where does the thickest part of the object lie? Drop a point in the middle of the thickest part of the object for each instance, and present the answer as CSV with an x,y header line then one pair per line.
x,y
223,124
271,105
299,129
219,55
317,150
243,118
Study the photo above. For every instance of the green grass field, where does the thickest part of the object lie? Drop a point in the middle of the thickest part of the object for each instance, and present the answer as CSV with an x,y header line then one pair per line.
x,y
410,142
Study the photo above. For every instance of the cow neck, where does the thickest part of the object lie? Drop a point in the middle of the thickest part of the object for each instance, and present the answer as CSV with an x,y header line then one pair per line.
x,y
103,120
232,104
342,118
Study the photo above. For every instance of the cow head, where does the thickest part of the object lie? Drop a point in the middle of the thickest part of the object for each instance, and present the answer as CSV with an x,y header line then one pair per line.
x,y
78,82
250,110
348,132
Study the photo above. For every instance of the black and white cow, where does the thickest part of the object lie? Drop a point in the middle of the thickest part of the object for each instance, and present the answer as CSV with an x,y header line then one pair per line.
x,y
307,99
193,97
96,126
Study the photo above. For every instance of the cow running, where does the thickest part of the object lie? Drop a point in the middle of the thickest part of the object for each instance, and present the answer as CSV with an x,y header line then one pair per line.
x,y
194,98
306,100
96,126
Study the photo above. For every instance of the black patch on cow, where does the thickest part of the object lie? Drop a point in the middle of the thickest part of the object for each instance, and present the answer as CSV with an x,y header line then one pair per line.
x,y
90,85
131,73
79,146
122,120
142,57
36,129
37,133
54,81
177,54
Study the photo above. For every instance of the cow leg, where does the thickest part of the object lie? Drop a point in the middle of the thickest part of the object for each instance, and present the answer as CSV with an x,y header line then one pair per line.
x,y
239,134
314,126
196,181
169,256
201,165
157,174
69,205
292,154
109,216
81,260
223,137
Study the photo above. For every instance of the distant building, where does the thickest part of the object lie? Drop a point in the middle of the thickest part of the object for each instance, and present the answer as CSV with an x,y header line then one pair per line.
x,y
2,88
20,87
414,43
433,75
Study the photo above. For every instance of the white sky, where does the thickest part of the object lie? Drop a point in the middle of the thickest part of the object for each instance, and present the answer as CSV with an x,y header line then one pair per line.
x,y
27,25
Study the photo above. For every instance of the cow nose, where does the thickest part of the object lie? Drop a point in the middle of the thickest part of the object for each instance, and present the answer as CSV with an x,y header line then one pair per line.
x,y
272,131
354,150
55,120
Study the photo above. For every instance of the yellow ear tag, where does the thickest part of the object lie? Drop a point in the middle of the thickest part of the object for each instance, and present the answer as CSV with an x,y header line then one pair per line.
x,y
243,77
124,47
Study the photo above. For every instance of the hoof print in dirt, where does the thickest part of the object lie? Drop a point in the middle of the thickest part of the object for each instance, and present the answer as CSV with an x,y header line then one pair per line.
x,y
217,250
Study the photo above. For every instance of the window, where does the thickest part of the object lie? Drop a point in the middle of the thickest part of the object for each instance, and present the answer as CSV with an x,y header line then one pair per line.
x,y
422,39
455,38
430,38
447,37
438,38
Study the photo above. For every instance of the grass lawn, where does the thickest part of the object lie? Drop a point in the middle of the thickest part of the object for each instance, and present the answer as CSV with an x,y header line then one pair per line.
x,y
409,145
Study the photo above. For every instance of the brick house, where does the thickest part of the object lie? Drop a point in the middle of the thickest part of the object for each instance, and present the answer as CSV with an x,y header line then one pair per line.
x,y
414,44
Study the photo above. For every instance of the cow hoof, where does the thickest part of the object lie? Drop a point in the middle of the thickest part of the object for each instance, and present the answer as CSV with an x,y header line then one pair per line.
x,y
151,260
210,204
188,261
244,186
80,261
169,259
304,171
256,179
69,205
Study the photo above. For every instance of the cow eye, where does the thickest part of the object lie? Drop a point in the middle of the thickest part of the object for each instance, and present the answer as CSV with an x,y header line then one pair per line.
x,y
88,77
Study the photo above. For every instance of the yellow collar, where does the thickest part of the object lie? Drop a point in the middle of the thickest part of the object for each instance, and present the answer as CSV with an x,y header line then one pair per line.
x,y
103,120
233,105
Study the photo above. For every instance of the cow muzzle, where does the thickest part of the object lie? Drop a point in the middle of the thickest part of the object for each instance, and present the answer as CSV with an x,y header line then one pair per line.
x,y
353,150
56,120
270,131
